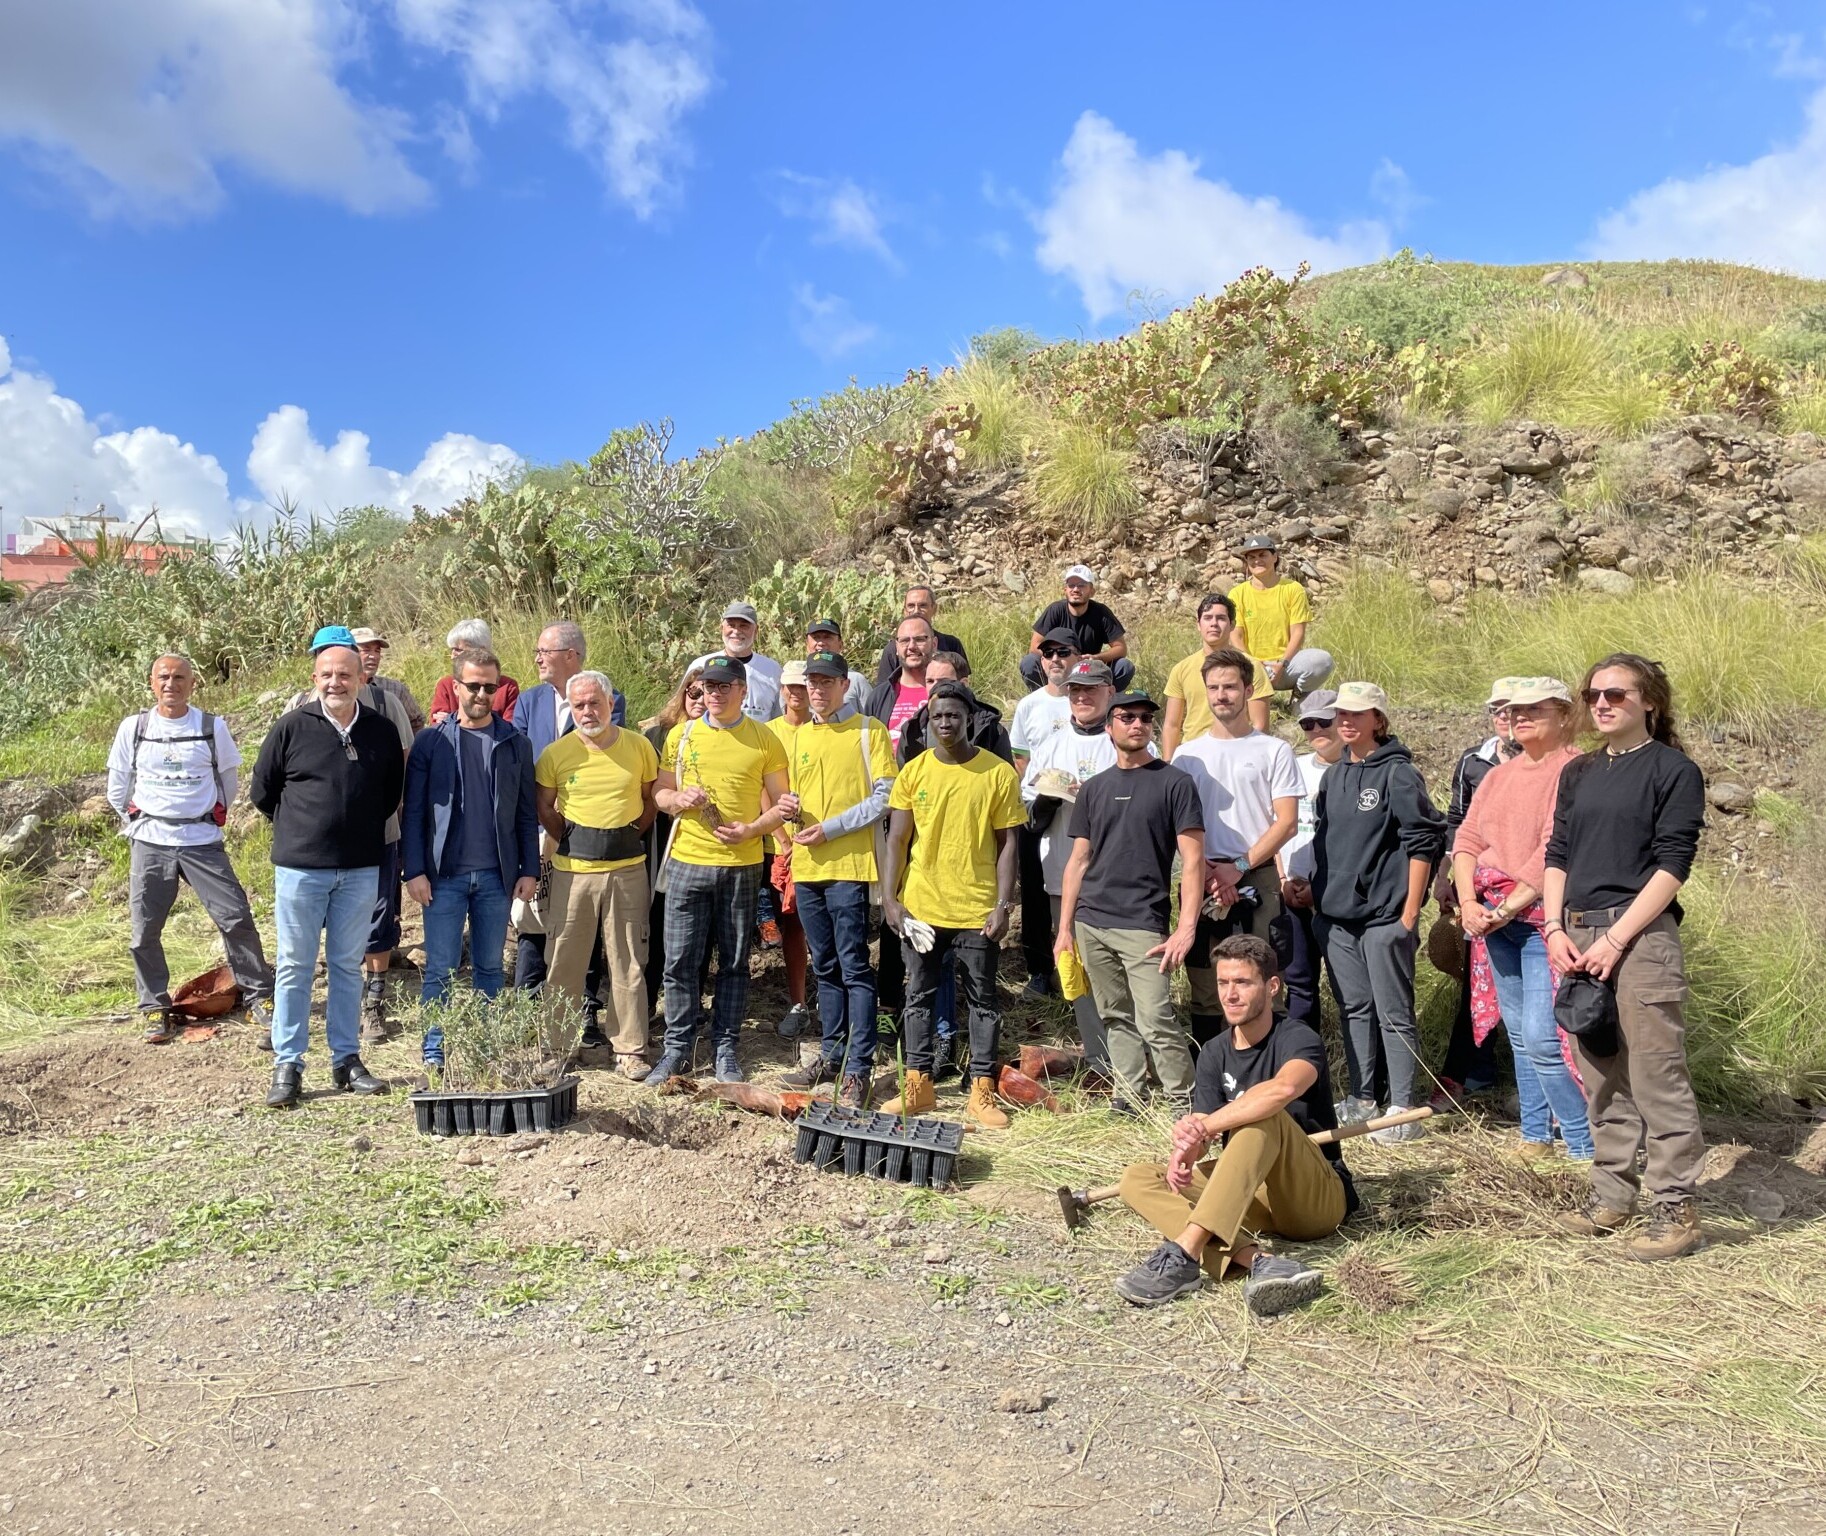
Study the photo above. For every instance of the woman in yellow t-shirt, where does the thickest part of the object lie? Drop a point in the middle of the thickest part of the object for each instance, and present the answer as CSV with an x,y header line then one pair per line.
x,y
795,711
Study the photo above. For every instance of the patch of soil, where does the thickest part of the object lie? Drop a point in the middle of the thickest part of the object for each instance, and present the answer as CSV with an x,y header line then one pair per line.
x,y
95,1082
656,1175
1762,1185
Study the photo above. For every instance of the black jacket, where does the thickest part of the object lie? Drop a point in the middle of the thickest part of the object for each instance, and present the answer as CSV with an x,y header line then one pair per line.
x,y
328,812
1373,817
986,731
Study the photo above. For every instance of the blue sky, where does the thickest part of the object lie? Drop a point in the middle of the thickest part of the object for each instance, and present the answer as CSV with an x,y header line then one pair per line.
x,y
466,231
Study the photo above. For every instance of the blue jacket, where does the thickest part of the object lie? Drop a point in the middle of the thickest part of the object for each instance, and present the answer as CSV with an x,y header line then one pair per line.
x,y
536,715
434,802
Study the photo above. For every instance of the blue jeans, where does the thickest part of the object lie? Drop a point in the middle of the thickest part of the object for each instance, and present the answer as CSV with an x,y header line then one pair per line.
x,y
706,902
478,901
335,906
835,916
1524,991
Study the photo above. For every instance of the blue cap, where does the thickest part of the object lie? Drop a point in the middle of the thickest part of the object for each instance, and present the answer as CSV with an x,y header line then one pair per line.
x,y
330,635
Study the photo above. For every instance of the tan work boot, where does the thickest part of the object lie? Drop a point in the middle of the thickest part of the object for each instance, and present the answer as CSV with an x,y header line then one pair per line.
x,y
1596,1220
1673,1230
981,1108
915,1098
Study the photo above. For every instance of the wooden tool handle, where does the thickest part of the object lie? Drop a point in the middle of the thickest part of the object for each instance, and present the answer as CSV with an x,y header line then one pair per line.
x,y
1364,1127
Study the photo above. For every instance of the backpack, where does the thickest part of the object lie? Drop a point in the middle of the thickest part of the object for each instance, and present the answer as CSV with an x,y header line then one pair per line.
x,y
217,814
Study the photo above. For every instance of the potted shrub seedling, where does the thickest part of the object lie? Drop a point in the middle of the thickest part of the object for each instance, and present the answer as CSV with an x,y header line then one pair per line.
x,y
506,1065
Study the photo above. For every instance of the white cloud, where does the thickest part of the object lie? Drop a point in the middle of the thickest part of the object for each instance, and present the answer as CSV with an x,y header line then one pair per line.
x,y
826,323
840,211
1770,211
55,459
1393,189
1120,220
623,98
143,103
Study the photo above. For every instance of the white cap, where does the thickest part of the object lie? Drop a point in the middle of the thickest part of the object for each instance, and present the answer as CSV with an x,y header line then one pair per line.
x,y
1081,573
1357,697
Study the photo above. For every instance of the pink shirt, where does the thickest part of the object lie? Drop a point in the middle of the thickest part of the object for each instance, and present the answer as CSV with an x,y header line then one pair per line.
x,y
1511,816
909,700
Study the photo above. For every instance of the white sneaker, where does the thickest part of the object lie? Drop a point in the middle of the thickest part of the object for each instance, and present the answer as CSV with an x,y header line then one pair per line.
x,y
1389,1135
1349,1110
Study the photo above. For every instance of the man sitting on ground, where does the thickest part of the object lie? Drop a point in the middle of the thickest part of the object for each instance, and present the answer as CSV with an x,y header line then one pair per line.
x,y
1099,632
1272,614
1263,1088
919,603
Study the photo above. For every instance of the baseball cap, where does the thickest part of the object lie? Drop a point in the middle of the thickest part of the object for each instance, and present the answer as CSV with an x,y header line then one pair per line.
x,y
1361,696
1081,573
365,636
792,674
1089,673
824,627
725,669
1537,690
1135,698
1060,636
1500,691
741,611
1257,541
1320,704
825,664
332,634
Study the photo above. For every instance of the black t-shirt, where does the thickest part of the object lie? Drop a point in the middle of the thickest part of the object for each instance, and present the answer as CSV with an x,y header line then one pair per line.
x,y
1226,1073
1620,819
1133,818
1095,627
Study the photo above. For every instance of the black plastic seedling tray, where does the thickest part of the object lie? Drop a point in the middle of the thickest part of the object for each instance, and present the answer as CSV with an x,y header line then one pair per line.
x,y
497,1114
919,1151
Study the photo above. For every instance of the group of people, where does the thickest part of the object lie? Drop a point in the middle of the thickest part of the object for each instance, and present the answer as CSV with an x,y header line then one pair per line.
x,y
791,803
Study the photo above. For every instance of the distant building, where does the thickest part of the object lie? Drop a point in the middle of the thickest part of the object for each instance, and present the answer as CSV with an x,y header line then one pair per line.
x,y
53,559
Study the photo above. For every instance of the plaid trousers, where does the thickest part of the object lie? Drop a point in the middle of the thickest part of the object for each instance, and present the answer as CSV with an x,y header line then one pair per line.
x,y
702,901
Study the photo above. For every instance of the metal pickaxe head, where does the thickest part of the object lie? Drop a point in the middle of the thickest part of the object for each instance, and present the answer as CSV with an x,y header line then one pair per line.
x,y
1072,1206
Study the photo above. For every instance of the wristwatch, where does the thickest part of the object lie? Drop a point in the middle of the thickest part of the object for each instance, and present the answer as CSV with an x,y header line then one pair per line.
x,y
1243,866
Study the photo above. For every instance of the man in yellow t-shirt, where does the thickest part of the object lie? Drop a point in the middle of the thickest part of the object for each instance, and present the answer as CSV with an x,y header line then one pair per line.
x,y
958,806
723,781
595,800
1188,711
1272,614
842,772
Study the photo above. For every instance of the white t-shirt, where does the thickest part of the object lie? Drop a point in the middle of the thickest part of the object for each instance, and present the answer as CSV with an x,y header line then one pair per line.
x,y
173,779
1238,783
1037,717
762,701
1297,854
1083,757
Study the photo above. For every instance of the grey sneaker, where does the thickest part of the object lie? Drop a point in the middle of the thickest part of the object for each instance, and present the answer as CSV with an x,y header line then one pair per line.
x,y
1276,1283
798,1019
1164,1275
728,1069
1391,1135
670,1065
1350,1109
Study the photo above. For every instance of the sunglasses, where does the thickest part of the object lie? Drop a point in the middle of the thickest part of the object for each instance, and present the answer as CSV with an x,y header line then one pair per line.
x,y
694,693
1132,717
1611,696
487,688
1053,653
1309,726
348,750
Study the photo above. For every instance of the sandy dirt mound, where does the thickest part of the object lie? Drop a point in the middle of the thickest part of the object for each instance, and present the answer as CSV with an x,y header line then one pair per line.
x,y
1760,1184
95,1082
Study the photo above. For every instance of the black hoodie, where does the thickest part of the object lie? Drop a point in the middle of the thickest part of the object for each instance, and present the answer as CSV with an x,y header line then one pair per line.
x,y
1373,817
986,731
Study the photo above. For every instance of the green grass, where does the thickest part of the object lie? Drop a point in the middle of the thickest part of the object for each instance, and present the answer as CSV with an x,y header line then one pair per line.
x,y
1084,481
1010,421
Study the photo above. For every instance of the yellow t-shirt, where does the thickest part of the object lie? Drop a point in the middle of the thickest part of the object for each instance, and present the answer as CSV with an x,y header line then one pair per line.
x,y
950,880
1186,681
731,765
597,787
1265,616
828,778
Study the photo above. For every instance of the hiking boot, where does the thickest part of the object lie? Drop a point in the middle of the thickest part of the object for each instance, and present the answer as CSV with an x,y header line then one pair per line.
x,y
162,1026
1673,1230
1123,1107
350,1076
854,1094
1276,1283
264,1040
728,1068
1164,1275
797,1020
376,1026
813,1075
1038,987
1351,1109
1596,1220
945,1064
1393,1135
915,1096
592,1038
671,1064
631,1065
981,1108
288,1085
769,930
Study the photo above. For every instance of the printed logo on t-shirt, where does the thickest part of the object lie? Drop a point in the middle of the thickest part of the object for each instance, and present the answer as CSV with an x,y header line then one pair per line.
x,y
1368,799
1230,1083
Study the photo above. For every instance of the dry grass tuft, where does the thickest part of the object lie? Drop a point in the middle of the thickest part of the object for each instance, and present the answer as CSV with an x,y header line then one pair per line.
x,y
1374,1286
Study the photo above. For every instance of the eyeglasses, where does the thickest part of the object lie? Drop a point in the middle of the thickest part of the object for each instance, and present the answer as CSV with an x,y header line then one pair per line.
x,y
1497,711
1611,696
1527,711
720,687
487,688
1309,726
552,650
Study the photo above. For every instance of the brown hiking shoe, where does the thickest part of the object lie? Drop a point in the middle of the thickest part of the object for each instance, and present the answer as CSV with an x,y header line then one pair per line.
x,y
1596,1220
981,1108
854,1094
1673,1230
915,1097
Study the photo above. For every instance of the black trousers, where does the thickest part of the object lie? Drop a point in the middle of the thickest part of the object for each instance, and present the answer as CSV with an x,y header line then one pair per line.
x,y
977,959
1037,932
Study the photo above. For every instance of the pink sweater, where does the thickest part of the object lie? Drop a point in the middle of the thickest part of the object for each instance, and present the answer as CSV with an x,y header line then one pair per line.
x,y
1511,816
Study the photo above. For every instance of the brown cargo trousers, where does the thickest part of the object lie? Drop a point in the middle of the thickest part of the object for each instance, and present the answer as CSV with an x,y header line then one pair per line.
x,y
615,904
1269,1177
1641,1099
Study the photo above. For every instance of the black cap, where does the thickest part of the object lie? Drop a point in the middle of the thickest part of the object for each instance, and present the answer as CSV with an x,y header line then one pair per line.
x,y
1136,698
725,669
824,626
1257,541
1060,636
826,664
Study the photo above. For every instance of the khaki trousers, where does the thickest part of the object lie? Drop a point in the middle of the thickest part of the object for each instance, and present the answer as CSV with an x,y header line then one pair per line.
x,y
1641,1099
615,905
1269,1177
1135,1002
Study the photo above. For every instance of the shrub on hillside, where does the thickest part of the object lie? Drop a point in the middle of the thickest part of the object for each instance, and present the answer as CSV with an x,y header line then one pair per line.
x,y
1084,480
1726,378
1408,300
1009,421
827,434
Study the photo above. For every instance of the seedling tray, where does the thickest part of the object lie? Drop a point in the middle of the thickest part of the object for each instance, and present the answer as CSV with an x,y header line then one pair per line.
x,y
920,1152
497,1114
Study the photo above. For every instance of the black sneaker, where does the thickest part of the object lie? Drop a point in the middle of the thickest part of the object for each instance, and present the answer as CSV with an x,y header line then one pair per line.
x,y
163,1025
944,1060
350,1076
1164,1275
593,1039
810,1077
288,1086
1276,1283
